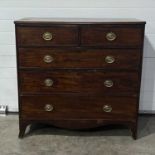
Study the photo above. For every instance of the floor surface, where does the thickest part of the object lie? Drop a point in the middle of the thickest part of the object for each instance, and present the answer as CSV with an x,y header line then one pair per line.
x,y
45,140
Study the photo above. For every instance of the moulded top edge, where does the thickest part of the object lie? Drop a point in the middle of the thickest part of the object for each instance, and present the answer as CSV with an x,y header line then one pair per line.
x,y
79,21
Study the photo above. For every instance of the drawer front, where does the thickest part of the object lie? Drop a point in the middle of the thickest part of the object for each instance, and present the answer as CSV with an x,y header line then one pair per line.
x,y
77,107
79,58
47,36
112,36
78,81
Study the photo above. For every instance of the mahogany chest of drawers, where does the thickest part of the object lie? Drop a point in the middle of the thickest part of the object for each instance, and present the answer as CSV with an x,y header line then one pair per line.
x,y
79,73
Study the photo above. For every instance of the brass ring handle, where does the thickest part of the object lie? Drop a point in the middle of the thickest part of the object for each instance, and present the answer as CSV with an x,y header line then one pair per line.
x,y
108,83
111,36
48,82
109,59
107,108
47,36
48,107
48,59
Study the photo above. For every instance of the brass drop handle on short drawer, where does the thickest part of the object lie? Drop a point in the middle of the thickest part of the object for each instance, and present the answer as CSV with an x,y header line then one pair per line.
x,y
108,83
107,108
48,82
48,59
109,59
111,36
48,107
47,36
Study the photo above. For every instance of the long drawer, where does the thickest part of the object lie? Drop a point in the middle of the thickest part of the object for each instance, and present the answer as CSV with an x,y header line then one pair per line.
x,y
79,58
83,81
78,107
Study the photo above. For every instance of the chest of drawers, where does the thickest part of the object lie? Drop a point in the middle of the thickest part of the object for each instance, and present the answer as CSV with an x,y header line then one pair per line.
x,y
79,73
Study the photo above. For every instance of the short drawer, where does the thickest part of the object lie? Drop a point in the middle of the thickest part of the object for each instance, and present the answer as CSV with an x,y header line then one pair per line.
x,y
111,36
47,36
79,58
71,106
82,81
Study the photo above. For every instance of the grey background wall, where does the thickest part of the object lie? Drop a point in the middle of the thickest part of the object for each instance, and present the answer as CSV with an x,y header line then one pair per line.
x,y
11,10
